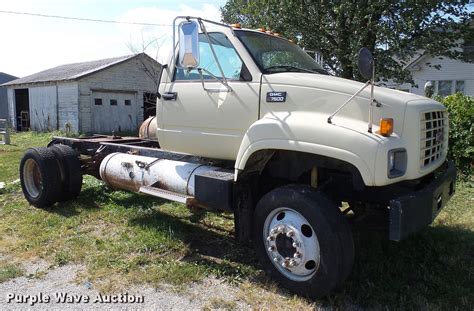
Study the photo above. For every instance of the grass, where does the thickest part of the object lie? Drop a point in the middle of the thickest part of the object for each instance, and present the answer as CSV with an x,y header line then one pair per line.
x,y
10,155
10,271
218,303
124,238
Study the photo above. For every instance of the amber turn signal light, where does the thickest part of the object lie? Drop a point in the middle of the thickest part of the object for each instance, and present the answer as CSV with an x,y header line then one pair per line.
x,y
386,126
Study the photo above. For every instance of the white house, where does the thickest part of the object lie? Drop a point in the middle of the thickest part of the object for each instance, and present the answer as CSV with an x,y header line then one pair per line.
x,y
99,96
453,76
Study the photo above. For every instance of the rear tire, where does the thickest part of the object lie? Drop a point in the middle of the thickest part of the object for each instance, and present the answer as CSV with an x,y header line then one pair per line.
x,y
40,177
303,240
71,173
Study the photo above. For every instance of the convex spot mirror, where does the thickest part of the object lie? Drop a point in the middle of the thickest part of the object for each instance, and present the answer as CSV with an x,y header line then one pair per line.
x,y
429,89
188,44
365,63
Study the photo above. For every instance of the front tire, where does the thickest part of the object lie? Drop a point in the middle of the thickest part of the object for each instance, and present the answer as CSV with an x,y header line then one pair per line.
x,y
303,240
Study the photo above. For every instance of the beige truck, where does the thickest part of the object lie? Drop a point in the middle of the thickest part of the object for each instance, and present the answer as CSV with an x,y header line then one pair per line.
x,y
247,122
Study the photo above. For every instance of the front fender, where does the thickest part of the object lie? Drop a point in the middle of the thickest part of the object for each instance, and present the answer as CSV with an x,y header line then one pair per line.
x,y
295,133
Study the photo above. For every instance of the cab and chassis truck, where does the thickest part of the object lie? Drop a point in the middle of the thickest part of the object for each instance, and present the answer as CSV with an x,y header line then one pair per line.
x,y
247,122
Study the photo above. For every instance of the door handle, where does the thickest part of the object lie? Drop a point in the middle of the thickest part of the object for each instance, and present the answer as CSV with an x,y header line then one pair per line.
x,y
170,96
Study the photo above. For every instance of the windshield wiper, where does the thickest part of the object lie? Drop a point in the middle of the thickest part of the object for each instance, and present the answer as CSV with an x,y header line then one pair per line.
x,y
294,68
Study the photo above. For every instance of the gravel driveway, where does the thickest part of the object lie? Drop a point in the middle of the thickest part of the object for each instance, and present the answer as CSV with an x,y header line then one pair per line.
x,y
43,287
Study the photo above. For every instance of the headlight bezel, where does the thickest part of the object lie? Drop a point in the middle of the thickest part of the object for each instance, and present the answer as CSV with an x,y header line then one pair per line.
x,y
396,162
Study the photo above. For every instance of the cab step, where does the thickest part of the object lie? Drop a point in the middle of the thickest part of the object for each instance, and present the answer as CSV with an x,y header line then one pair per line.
x,y
166,194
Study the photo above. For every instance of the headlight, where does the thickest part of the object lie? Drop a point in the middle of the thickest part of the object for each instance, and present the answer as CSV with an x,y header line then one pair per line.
x,y
397,162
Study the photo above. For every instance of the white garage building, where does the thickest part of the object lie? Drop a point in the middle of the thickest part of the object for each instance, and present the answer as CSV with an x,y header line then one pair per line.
x,y
92,97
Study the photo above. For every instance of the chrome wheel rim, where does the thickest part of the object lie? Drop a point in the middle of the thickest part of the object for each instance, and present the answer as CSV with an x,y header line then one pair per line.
x,y
291,244
32,178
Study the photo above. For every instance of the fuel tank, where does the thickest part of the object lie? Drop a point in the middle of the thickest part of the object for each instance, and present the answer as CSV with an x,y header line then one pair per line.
x,y
123,171
148,129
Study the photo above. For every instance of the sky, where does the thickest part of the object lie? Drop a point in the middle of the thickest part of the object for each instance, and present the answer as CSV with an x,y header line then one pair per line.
x,y
30,44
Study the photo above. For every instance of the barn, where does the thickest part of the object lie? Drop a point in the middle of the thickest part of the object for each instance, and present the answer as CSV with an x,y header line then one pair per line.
x,y
3,95
100,96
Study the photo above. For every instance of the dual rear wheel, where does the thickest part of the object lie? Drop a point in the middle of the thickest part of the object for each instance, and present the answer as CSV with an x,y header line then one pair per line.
x,y
50,175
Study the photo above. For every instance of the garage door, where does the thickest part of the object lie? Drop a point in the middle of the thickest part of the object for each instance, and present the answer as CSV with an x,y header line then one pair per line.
x,y
114,112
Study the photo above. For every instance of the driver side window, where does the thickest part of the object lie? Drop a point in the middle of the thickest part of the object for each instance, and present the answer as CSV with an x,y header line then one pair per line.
x,y
226,54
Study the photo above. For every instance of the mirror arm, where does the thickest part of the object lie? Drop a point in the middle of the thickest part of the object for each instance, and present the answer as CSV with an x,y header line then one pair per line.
x,y
371,104
173,60
203,28
347,101
163,67
228,88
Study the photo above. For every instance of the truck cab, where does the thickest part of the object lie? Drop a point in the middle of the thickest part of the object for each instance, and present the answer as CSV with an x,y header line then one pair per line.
x,y
276,97
209,118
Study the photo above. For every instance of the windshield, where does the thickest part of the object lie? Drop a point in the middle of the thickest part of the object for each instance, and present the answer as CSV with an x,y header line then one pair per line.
x,y
273,54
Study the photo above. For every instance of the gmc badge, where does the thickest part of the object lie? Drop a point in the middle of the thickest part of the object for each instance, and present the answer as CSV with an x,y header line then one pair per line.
x,y
276,97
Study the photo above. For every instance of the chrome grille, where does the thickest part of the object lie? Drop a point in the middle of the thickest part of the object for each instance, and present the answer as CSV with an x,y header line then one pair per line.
x,y
433,137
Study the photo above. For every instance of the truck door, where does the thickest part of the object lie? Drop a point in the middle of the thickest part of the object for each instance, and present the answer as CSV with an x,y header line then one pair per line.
x,y
209,123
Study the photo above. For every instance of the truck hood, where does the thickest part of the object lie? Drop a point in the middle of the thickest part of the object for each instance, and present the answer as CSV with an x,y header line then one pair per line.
x,y
321,95
336,84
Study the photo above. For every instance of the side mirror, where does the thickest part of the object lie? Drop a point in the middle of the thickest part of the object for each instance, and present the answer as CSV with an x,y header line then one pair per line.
x,y
188,44
429,89
366,63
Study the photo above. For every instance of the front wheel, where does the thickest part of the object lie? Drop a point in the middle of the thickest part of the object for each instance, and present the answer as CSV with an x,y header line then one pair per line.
x,y
303,240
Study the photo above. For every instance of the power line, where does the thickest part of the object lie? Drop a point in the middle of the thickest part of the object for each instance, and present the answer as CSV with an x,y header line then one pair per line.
x,y
82,19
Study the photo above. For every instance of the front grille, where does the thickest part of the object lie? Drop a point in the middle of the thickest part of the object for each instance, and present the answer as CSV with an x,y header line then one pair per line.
x,y
433,137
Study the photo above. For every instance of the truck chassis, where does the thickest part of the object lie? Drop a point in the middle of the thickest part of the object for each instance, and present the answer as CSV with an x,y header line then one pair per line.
x,y
260,200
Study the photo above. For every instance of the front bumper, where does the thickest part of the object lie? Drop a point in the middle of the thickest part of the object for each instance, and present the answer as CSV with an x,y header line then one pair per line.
x,y
416,210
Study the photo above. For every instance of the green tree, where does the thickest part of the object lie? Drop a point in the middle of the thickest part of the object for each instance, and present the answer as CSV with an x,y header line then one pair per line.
x,y
461,132
395,31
